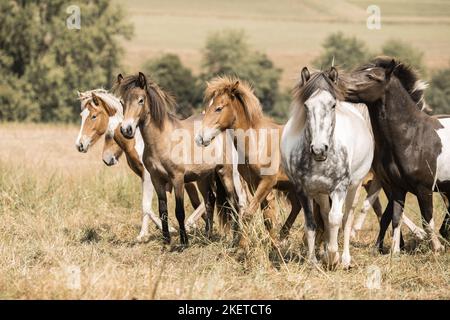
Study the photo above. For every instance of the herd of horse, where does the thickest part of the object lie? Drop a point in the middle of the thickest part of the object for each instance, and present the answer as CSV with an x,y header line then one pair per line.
x,y
347,130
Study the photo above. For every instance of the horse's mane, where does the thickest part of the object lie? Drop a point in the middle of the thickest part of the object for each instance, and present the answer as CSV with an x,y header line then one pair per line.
x,y
160,101
319,80
86,96
244,93
110,99
406,74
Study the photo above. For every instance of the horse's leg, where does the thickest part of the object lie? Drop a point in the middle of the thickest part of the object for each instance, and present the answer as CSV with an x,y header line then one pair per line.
x,y
425,199
160,188
397,213
210,203
351,200
147,212
445,227
295,210
323,202
418,232
264,187
178,187
310,224
192,193
235,196
269,214
334,222
385,220
372,200
200,210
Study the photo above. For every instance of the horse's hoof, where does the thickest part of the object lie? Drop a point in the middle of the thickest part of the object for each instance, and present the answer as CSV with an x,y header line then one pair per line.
x,y
438,249
312,260
346,261
143,238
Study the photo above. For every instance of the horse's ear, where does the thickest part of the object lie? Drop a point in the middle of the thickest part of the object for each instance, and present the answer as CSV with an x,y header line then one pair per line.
x,y
305,75
390,68
333,74
119,78
142,80
235,87
109,110
79,94
95,99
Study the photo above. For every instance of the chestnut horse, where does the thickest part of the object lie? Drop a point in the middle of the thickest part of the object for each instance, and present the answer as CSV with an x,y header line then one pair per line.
x,y
169,152
233,106
101,114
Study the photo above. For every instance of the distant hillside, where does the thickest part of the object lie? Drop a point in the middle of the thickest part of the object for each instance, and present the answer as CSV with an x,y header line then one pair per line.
x,y
291,32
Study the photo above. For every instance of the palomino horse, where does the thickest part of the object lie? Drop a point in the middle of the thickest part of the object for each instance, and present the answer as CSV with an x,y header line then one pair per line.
x,y
101,114
412,148
169,153
233,105
327,148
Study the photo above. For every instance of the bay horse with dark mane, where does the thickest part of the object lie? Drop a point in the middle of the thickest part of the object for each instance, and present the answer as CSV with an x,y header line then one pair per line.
x,y
101,115
412,149
146,106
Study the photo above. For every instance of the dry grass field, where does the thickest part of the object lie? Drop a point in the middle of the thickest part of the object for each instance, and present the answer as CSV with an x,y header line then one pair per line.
x,y
290,32
62,211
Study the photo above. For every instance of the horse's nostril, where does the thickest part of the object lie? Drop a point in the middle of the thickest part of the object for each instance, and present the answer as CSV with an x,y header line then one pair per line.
x,y
326,148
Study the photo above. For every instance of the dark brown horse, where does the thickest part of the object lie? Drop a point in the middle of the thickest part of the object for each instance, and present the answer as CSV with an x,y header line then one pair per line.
x,y
147,106
412,149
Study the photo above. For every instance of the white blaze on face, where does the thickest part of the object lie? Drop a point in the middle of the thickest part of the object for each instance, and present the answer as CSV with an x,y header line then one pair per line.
x,y
320,117
84,115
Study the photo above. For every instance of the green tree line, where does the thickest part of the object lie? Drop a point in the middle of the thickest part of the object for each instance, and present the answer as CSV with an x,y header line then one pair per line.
x,y
43,63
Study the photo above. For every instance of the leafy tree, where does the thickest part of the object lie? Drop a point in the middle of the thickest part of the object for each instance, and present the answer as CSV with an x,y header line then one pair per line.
x,y
347,52
173,76
43,62
228,53
405,53
438,94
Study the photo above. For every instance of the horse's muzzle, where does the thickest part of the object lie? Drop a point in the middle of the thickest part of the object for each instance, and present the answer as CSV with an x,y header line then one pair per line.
x,y
127,131
81,148
320,153
112,161
201,142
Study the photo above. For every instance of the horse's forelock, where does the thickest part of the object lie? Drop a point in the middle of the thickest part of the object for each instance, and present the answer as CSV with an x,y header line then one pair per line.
x,y
160,101
243,93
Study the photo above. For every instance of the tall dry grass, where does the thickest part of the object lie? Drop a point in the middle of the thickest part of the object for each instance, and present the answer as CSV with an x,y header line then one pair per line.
x,y
62,212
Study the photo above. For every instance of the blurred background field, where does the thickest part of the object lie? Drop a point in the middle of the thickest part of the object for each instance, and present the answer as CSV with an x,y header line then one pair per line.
x,y
182,44
290,32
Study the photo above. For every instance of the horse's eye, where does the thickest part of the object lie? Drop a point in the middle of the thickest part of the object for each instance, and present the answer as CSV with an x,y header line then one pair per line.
x,y
334,106
219,109
141,101
94,117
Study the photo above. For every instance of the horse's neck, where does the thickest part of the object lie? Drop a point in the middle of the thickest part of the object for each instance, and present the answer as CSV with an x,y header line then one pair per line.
x,y
155,137
139,143
114,122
